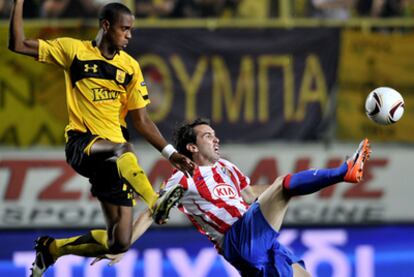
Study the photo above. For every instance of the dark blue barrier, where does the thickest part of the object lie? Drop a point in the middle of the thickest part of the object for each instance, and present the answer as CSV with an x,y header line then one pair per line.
x,y
352,251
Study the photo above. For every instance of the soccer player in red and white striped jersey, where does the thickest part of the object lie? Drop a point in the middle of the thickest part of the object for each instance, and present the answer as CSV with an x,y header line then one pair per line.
x,y
243,223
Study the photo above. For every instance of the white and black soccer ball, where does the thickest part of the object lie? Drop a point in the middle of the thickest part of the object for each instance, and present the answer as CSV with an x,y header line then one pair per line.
x,y
384,105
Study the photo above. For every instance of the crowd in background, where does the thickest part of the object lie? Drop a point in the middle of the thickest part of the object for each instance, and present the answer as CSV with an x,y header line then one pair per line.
x,y
334,9
344,9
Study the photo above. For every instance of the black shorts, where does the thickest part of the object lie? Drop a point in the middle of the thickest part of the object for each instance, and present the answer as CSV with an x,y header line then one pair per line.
x,y
102,173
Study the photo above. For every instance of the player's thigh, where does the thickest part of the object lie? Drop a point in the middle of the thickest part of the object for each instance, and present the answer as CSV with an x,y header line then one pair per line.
x,y
119,221
106,149
299,271
273,204
76,155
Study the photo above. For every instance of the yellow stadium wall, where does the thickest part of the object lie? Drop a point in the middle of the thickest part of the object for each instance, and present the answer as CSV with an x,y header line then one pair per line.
x,y
367,61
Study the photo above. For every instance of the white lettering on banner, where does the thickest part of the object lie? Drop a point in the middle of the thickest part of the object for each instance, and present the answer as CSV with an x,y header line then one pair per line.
x,y
321,250
286,237
64,268
97,268
339,213
364,256
24,259
183,265
153,263
125,268
57,215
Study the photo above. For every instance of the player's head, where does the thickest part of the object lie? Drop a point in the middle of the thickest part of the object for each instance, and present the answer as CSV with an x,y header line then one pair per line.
x,y
112,11
198,141
116,20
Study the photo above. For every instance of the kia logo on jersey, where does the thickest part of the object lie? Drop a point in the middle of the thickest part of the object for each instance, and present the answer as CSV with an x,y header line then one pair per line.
x,y
224,190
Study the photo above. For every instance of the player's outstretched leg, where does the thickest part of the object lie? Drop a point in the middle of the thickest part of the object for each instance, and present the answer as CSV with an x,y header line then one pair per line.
x,y
48,250
43,257
357,161
165,202
309,181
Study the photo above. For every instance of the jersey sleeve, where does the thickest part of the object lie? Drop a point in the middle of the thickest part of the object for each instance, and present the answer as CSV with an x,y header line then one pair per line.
x,y
59,51
137,90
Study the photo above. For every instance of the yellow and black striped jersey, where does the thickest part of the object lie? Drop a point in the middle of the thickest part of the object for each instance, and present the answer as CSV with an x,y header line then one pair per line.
x,y
99,91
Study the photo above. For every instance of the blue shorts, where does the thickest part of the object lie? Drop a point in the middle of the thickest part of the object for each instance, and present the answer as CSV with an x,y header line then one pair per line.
x,y
251,246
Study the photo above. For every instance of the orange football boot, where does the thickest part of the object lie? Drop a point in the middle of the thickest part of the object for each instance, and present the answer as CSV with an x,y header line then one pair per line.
x,y
356,162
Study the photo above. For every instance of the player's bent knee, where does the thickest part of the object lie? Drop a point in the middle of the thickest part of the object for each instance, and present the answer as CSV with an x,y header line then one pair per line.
x,y
274,196
119,244
123,148
276,186
119,247
279,181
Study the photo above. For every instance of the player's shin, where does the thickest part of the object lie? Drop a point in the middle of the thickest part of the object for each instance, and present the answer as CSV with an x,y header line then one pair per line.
x,y
130,170
309,181
92,244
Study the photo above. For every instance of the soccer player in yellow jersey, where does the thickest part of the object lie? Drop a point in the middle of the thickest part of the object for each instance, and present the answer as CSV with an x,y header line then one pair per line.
x,y
103,84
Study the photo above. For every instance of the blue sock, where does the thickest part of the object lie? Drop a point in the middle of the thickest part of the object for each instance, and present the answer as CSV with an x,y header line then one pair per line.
x,y
309,181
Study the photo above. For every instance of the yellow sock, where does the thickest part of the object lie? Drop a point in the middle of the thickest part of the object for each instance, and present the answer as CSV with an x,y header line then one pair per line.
x,y
92,244
130,170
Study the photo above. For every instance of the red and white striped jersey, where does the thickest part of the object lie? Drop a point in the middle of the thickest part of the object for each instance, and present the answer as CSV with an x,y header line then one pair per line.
x,y
212,198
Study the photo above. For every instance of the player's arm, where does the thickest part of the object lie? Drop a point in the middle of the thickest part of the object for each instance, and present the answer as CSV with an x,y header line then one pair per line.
x,y
251,193
141,224
147,128
17,40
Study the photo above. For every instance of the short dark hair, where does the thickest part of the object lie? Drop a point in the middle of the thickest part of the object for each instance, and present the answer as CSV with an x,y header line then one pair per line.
x,y
112,11
185,134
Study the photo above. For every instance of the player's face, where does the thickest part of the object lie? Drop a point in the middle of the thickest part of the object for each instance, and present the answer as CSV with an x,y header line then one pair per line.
x,y
120,32
207,144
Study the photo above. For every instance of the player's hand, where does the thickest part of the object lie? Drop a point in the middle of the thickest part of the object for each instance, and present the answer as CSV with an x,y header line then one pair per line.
x,y
182,163
113,258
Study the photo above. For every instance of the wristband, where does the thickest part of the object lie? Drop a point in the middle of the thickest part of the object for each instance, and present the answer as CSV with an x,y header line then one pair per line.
x,y
167,151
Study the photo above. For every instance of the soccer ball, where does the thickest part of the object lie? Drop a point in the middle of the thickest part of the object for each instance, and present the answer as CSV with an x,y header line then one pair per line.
x,y
384,105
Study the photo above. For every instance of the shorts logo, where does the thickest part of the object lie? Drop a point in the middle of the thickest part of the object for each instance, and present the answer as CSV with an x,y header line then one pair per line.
x,y
102,94
90,68
224,191
120,76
